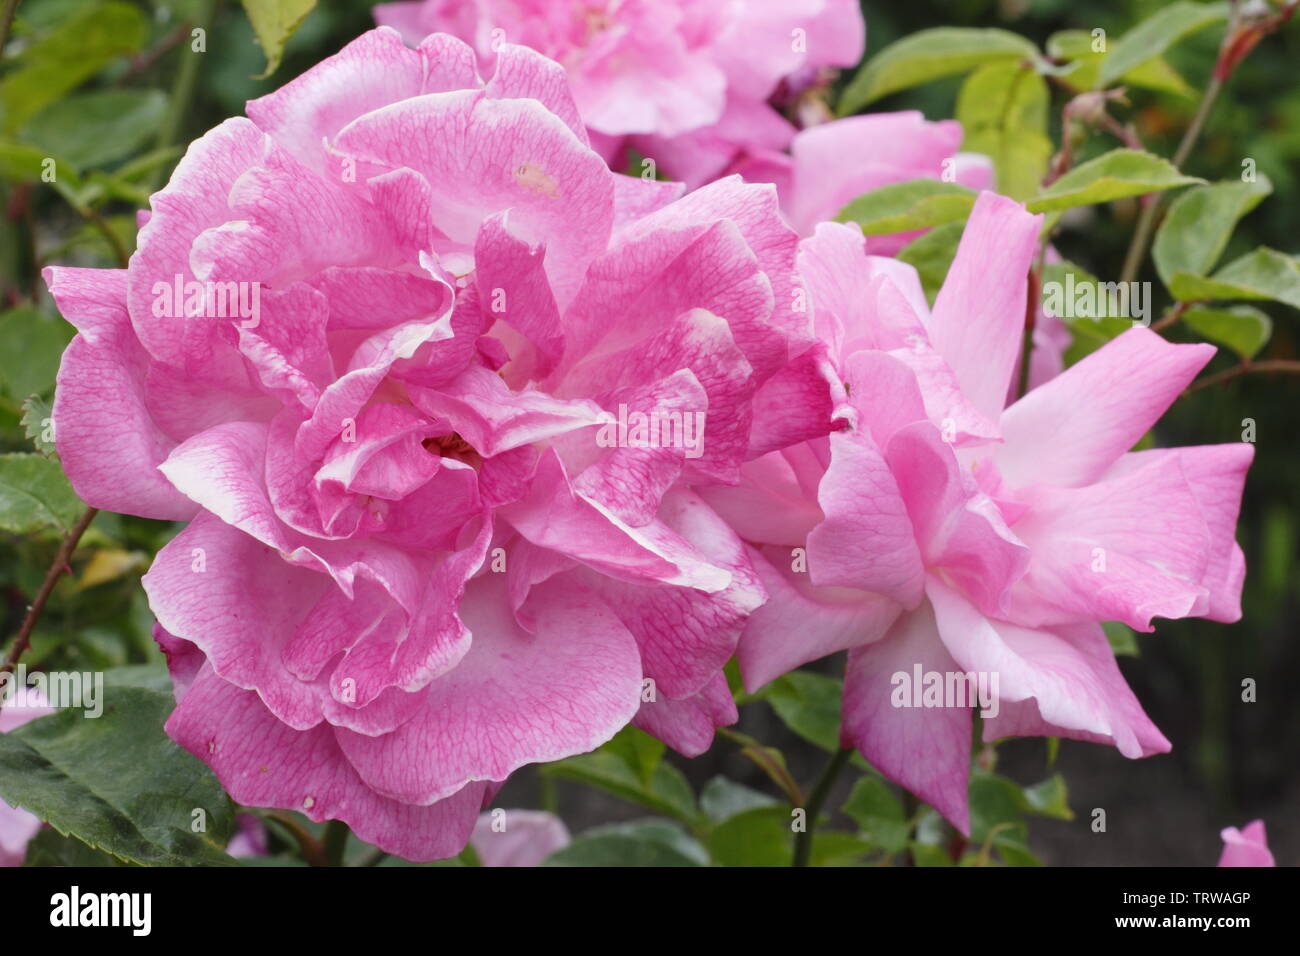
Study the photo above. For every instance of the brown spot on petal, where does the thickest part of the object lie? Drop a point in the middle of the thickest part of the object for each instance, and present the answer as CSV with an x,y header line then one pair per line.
x,y
535,179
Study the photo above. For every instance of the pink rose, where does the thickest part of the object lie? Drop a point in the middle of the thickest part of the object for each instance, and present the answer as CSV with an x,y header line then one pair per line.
x,y
391,398
831,164
17,826
686,82
517,837
1246,847
946,535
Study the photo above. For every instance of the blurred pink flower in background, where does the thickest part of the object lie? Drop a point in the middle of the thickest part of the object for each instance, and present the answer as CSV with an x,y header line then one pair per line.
x,y
1246,847
517,837
17,826
685,82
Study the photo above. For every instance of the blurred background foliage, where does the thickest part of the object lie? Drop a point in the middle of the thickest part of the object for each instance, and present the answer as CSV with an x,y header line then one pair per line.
x,y
110,90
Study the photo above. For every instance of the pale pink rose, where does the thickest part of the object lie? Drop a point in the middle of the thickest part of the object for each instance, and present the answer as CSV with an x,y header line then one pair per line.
x,y
18,826
517,837
831,164
1246,847
686,82
944,532
418,554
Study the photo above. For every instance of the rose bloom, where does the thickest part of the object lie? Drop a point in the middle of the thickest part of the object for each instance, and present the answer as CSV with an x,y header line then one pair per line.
x,y
944,533
376,347
686,82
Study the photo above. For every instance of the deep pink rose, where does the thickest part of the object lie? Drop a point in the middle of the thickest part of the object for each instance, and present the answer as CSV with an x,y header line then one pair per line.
x,y
422,550
686,82
945,534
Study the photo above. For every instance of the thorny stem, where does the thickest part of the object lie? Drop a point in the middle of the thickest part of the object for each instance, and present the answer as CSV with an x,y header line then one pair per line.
x,y
57,568
1238,40
821,790
764,761
1287,366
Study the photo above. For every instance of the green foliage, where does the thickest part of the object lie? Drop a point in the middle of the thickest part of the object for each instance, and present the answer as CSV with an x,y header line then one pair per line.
x,y
1262,274
1002,108
1156,34
1119,174
275,21
34,495
929,55
1242,328
118,783
1199,224
640,843
903,207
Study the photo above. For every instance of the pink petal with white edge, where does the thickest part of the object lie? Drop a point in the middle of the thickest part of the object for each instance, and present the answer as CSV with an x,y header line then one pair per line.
x,y
801,623
685,636
108,444
1062,682
923,748
516,698
1071,429
1128,549
1216,475
263,762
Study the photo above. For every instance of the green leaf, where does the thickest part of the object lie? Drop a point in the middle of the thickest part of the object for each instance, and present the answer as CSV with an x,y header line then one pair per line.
x,y
51,848
638,750
1084,71
31,345
1156,34
1123,642
930,55
69,55
1200,223
1242,328
924,854
879,814
667,793
1262,274
1002,108
1115,175
809,704
274,22
837,848
20,163
97,128
903,207
1050,798
34,494
37,424
722,798
117,782
932,254
639,843
757,837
